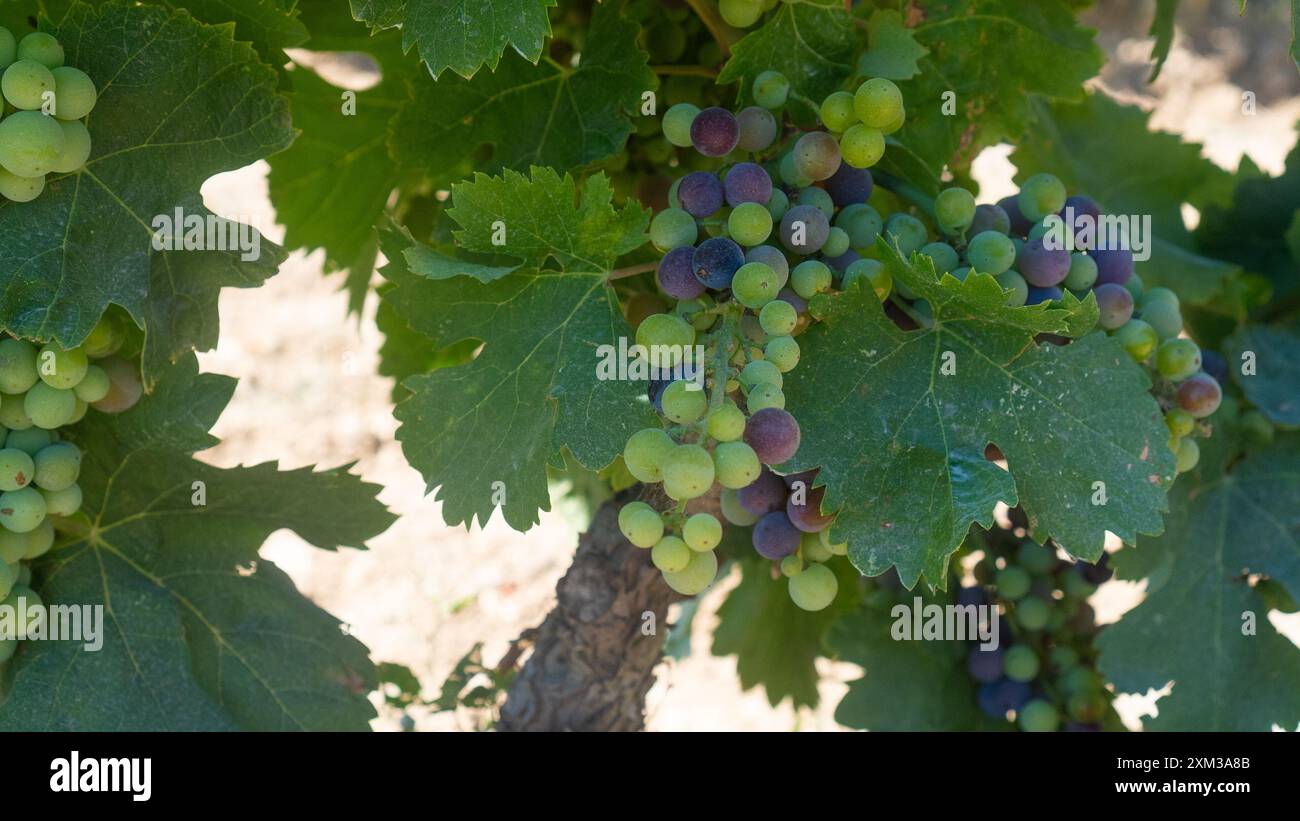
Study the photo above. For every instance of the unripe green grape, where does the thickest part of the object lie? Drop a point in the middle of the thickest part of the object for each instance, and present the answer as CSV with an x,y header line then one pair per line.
x,y
896,124
1020,663
25,84
813,548
93,386
48,407
837,112
861,222
688,472
26,603
640,524
1032,613
783,352
76,148
907,231
702,532
1135,286
23,510
13,547
677,124
1014,283
1042,194
61,368
749,224
862,146
991,253
1177,359
778,204
727,423
104,339
30,440
1038,716
1163,315
1179,422
79,413
818,198
764,395
735,464
669,335
645,453
733,511
16,469
12,415
740,13
878,102
954,210
20,189
673,228
1083,272
881,281
810,277
17,366
1187,455
815,588
837,242
943,256
758,372
39,540
1155,295
74,93
684,402
778,318
1138,338
8,580
771,89
755,284
61,502
670,554
1013,582
42,48
8,48
836,548
696,576
56,466
791,566
30,143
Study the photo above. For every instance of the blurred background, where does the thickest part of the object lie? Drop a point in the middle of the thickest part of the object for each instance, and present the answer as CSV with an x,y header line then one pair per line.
x,y
425,594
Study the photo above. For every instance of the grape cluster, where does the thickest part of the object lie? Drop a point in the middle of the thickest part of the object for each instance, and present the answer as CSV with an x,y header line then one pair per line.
x,y
744,250
45,134
42,390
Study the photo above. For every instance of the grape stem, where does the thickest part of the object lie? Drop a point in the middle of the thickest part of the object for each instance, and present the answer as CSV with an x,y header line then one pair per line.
x,y
905,190
707,11
631,270
685,71
901,304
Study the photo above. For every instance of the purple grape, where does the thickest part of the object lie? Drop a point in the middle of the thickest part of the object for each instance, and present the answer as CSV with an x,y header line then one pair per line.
x,y
1037,295
849,185
763,495
805,476
747,182
772,258
757,128
1215,365
800,304
700,194
1098,573
715,262
984,665
773,434
816,228
1042,266
1084,209
1113,265
714,132
1019,224
843,261
968,596
774,537
989,218
677,274
808,516
1115,304
998,698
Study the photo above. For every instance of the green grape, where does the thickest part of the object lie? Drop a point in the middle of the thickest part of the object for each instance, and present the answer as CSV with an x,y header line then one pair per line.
x,y
696,576
22,510
104,339
664,336
1013,582
79,413
30,440
943,256
771,89
1179,422
30,143
813,548
907,232
758,372
688,472
733,511
991,253
814,588
837,242
881,281
836,548
1036,559
778,204
25,84
1032,613
702,532
12,415
673,228
822,201
755,284
1187,455
1164,316
791,566
61,368
837,112
16,469
1015,285
42,48
677,124
750,224
861,222
61,502
40,540
1134,286
740,13
783,352
76,148
670,554
684,402
645,453
1138,338
1159,295
20,189
1020,663
56,465
48,407
640,524
778,318
862,146
735,464
13,547
25,602
8,579
1083,272
1038,716
94,386
954,210
74,93
811,277
727,423
1178,359
17,366
895,124
1076,586
790,173
878,102
8,48
1042,194
764,395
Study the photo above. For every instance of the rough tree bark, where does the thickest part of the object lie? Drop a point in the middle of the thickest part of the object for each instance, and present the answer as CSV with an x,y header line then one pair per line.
x,y
591,663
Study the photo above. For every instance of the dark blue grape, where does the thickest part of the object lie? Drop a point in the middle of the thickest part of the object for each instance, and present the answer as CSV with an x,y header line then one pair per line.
x,y
1020,225
989,218
843,261
1083,209
763,495
714,132
787,295
1042,266
849,185
976,596
1113,265
1100,572
747,182
1215,365
700,194
1037,295
774,537
998,698
677,274
984,665
816,228
715,262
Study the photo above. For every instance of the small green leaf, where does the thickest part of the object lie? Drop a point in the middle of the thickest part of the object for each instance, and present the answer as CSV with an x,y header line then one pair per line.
x,y
1162,29
1274,386
892,51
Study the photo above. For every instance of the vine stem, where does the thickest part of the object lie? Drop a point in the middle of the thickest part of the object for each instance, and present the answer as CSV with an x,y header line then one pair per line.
x,y
708,14
905,190
901,304
686,71
631,270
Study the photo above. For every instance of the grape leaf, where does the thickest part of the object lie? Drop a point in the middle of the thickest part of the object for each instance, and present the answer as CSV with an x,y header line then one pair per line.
x,y
1274,387
574,116
533,389
1162,29
774,641
1189,629
812,45
892,51
1153,176
179,101
199,632
899,421
463,35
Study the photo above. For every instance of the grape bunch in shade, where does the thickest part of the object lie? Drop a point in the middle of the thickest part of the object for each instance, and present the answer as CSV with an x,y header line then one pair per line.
x,y
43,132
44,389
746,245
